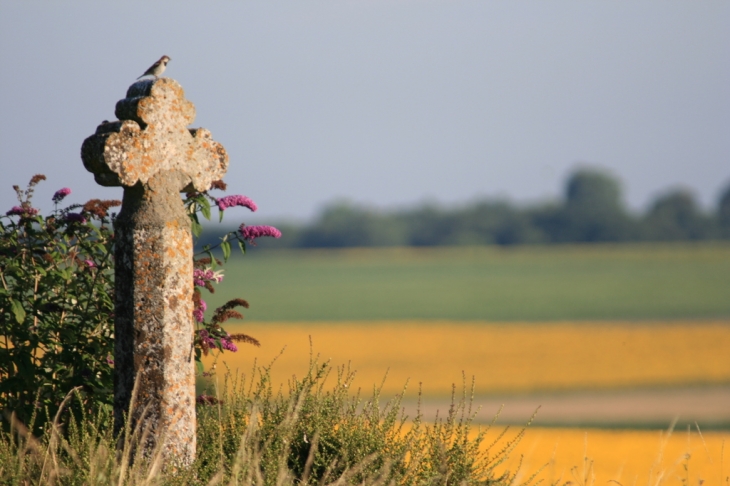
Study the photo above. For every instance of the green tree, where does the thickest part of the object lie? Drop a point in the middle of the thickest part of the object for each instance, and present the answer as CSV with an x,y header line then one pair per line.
x,y
593,211
344,225
675,216
496,222
428,225
723,214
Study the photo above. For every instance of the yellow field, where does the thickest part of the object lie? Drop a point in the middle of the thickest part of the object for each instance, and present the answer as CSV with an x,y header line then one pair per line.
x,y
503,357
523,357
625,457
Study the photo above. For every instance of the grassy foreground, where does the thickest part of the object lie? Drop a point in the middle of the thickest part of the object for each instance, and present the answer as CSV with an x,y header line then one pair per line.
x,y
642,281
332,436
251,433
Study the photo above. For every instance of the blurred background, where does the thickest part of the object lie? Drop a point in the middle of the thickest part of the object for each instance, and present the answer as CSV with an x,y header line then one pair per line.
x,y
388,105
536,195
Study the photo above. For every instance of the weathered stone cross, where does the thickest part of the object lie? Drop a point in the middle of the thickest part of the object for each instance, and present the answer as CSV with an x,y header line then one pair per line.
x,y
154,156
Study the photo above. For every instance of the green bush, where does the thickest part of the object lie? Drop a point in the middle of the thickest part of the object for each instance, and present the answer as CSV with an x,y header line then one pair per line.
x,y
56,305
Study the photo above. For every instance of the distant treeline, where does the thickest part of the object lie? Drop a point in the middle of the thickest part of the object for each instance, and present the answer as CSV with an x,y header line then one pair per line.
x,y
591,210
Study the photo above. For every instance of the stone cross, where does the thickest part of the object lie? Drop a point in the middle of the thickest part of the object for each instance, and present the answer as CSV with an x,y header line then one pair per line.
x,y
154,156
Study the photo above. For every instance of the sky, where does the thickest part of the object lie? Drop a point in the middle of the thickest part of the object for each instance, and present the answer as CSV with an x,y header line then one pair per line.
x,y
386,103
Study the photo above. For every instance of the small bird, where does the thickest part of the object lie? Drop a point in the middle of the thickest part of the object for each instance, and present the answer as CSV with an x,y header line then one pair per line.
x,y
157,68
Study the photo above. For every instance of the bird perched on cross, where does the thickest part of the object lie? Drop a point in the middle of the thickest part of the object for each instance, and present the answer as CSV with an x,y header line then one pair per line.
x,y
157,68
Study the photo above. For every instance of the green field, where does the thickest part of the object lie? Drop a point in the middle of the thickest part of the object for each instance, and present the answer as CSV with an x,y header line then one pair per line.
x,y
483,283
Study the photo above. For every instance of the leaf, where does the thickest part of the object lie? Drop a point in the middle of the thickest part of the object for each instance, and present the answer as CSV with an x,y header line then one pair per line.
x,y
199,366
197,229
18,310
226,247
220,215
242,246
212,258
205,208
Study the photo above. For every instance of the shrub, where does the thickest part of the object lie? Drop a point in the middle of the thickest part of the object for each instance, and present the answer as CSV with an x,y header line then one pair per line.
x,y
56,305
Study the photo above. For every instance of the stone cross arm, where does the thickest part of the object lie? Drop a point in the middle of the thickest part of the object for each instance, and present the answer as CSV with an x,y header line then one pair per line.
x,y
150,138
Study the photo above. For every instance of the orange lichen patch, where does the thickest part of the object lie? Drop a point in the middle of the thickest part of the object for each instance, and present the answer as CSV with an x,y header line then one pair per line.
x,y
174,225
172,252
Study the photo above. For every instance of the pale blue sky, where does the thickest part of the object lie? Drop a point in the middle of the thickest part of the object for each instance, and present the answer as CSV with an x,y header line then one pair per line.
x,y
384,102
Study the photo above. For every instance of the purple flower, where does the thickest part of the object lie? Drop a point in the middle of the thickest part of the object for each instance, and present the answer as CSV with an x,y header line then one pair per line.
x,y
109,360
198,313
201,276
227,344
60,194
75,218
205,338
232,201
22,211
90,263
250,233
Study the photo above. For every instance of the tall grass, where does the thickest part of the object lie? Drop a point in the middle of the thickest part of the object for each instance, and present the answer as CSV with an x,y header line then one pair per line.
x,y
319,431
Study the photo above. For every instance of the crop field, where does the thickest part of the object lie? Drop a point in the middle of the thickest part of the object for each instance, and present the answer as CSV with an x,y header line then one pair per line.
x,y
623,457
551,283
519,357
511,357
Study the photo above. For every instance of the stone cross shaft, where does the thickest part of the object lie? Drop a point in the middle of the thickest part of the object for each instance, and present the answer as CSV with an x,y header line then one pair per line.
x,y
154,156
